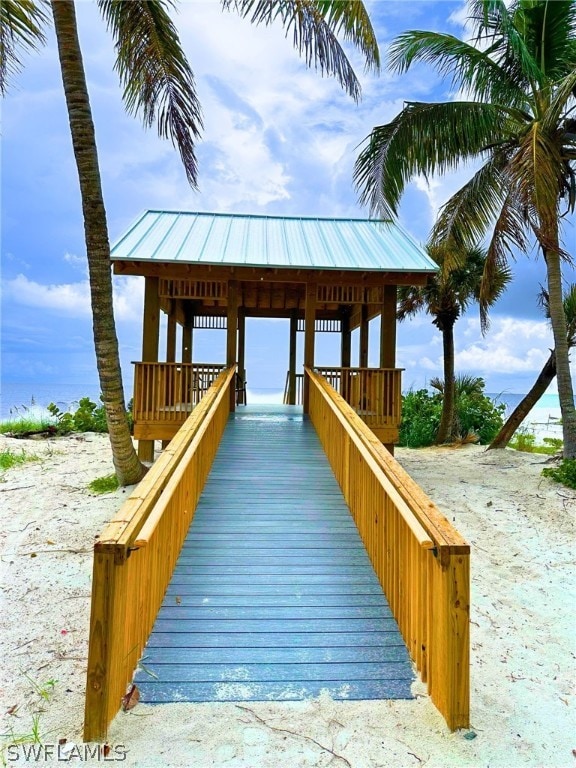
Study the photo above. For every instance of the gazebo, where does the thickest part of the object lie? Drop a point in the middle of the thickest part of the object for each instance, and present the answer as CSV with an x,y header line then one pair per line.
x,y
213,270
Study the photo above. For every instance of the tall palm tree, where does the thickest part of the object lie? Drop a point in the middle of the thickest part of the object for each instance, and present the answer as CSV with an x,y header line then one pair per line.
x,y
446,296
158,84
546,375
520,76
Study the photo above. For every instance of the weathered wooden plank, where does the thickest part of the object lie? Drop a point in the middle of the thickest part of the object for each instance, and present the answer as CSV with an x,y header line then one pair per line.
x,y
280,672
275,626
289,655
268,640
207,612
161,693
188,597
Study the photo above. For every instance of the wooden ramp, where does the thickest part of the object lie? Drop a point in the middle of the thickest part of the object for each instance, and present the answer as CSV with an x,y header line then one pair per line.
x,y
273,596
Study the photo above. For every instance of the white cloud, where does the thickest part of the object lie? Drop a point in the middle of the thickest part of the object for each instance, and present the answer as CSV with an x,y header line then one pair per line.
x,y
73,299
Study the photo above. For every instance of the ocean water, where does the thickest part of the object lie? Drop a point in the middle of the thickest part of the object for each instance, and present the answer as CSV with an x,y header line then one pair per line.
x,y
17,399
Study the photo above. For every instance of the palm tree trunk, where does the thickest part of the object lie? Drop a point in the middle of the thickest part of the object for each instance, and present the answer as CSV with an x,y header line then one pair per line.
x,y
545,377
128,468
446,427
558,320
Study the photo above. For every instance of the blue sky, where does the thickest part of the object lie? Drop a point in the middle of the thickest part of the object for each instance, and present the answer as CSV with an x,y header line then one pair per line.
x,y
278,139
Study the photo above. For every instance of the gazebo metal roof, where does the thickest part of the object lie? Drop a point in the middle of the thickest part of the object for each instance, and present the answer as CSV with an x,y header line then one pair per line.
x,y
245,240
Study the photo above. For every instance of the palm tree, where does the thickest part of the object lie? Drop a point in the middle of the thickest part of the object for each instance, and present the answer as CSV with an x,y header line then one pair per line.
x,y
520,76
158,84
546,375
446,296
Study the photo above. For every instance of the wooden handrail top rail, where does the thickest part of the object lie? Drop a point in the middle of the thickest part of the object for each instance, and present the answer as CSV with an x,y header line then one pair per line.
x,y
221,366
419,512
151,522
352,369
121,532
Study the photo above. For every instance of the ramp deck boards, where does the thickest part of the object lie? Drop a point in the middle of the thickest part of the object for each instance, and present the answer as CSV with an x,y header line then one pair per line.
x,y
273,596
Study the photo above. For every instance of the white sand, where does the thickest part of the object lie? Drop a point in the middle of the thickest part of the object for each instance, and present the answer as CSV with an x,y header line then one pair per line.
x,y
520,526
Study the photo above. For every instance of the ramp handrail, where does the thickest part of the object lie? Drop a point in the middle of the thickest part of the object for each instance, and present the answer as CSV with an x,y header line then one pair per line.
x,y
422,562
135,555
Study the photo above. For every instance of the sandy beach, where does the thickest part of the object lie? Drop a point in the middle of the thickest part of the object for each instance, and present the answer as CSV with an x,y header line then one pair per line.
x,y
523,652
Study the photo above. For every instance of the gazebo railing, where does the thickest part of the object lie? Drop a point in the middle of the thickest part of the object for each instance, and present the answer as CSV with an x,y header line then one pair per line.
x,y
166,393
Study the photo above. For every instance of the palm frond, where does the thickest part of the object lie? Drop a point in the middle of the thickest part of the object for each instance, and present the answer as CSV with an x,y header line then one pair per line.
x,y
548,28
468,67
569,304
314,25
351,18
155,74
536,173
21,30
425,139
496,26
411,299
468,214
562,95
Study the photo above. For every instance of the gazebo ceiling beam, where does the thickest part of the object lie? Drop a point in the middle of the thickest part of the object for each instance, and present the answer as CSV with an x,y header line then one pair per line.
x,y
269,274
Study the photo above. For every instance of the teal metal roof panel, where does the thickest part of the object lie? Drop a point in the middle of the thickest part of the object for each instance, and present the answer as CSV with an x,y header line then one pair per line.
x,y
271,241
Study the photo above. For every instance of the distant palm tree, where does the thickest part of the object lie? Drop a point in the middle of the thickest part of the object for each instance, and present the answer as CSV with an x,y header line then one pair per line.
x,y
158,84
520,76
446,296
546,375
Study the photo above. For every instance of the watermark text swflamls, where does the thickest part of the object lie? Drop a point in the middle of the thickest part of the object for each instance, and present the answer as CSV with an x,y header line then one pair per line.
x,y
66,753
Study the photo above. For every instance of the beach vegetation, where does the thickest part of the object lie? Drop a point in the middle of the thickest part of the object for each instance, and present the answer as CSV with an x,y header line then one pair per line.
x,y
517,77
477,416
27,426
105,484
10,458
525,441
445,297
87,417
564,473
158,85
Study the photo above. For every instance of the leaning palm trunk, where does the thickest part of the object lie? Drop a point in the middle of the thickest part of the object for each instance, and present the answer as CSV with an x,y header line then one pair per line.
x,y
528,402
128,468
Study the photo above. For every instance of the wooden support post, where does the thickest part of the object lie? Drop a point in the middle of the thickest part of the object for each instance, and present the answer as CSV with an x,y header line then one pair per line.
x,y
309,329
346,344
231,334
292,358
187,343
363,351
388,336
449,682
150,339
187,334
171,339
388,328
242,343
104,673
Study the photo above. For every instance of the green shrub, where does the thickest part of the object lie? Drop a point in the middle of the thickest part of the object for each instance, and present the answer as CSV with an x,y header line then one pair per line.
x,y
421,413
565,473
475,413
479,415
88,417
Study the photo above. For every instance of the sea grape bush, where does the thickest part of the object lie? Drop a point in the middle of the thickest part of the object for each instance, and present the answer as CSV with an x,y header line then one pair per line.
x,y
477,416
88,417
